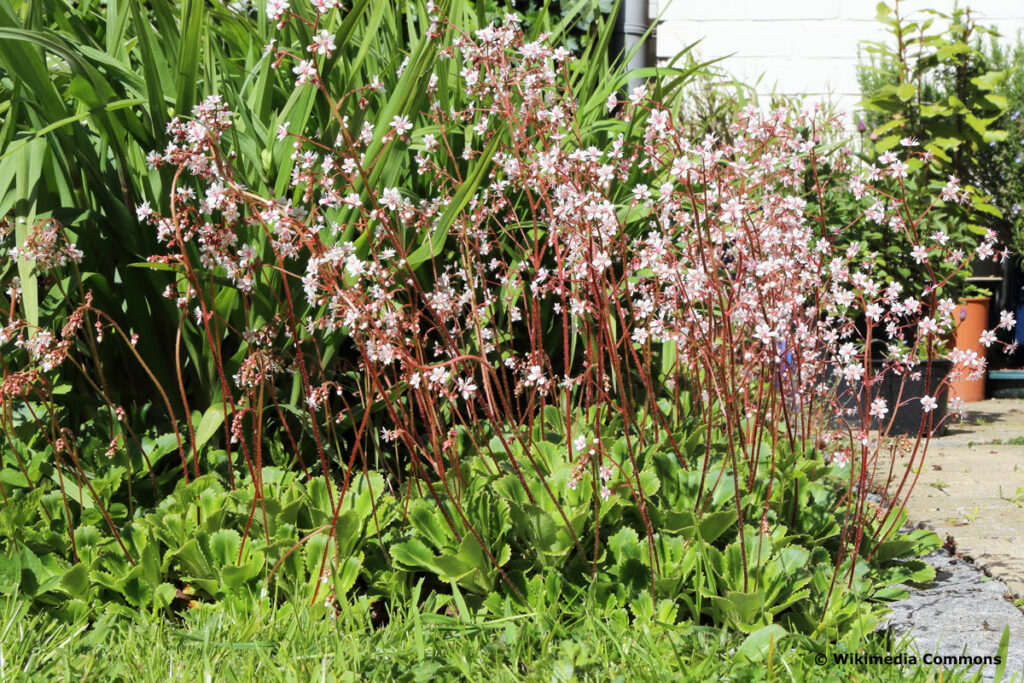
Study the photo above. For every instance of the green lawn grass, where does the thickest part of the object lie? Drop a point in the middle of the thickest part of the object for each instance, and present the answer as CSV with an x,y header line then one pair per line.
x,y
364,642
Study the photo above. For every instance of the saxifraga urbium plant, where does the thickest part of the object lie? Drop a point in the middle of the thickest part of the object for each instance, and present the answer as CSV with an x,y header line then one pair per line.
x,y
561,360
86,93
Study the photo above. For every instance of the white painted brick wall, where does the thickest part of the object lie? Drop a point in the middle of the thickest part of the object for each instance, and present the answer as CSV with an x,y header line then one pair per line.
x,y
799,46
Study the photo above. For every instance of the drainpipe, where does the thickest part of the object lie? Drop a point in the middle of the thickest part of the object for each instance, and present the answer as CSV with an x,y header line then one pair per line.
x,y
631,24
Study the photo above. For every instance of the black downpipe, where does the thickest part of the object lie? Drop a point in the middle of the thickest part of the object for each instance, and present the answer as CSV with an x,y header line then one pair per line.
x,y
631,24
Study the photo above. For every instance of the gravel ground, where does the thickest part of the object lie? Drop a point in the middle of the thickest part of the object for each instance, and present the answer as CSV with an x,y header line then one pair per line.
x,y
961,611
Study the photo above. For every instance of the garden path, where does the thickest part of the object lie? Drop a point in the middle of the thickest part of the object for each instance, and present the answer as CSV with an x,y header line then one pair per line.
x,y
971,488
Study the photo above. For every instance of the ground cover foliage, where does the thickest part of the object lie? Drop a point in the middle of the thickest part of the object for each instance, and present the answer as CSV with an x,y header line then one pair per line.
x,y
408,315
588,645
583,643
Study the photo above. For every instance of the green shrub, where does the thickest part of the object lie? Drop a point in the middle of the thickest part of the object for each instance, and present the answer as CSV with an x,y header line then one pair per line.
x,y
930,83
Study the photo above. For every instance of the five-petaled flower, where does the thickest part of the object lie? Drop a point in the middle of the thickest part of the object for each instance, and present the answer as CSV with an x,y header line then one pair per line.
x,y
401,124
323,44
306,72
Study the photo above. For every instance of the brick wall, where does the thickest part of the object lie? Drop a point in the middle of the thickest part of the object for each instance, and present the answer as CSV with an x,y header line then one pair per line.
x,y
799,46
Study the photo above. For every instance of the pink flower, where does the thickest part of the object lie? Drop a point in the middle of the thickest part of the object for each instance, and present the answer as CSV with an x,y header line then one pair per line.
x,y
853,372
305,71
927,326
951,192
637,94
401,124
324,6
466,387
276,9
928,403
879,408
898,169
391,198
764,333
323,44
957,408
601,262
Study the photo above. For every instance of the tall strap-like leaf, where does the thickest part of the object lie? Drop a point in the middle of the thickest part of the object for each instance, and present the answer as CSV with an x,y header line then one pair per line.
x,y
431,246
29,174
193,30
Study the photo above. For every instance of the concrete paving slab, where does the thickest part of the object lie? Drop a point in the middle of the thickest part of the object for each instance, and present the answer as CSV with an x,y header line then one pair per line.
x,y
971,487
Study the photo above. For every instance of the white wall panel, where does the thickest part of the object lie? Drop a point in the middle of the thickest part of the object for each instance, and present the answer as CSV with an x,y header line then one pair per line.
x,y
799,46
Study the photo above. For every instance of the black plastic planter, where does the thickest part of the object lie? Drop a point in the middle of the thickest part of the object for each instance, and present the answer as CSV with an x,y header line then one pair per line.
x,y
906,419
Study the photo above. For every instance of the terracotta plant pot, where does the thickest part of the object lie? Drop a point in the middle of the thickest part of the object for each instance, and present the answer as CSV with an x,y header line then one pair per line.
x,y
972,313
